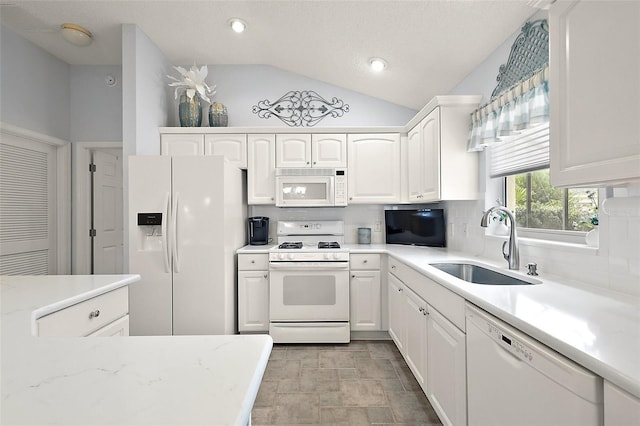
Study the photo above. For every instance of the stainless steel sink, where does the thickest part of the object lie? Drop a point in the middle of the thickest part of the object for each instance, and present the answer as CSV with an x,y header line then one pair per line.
x,y
478,275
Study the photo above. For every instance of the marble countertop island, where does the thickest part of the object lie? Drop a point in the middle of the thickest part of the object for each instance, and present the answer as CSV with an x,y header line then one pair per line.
x,y
155,380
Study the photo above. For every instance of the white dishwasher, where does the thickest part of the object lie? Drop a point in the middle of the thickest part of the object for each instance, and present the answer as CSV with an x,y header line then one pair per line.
x,y
514,380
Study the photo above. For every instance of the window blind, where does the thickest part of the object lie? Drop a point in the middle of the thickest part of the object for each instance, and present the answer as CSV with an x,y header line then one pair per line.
x,y
525,152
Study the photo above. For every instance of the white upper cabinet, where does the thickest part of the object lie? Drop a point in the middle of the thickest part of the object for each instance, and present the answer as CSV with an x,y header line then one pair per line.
x,y
439,166
374,168
329,150
182,144
594,92
293,150
232,147
311,150
261,177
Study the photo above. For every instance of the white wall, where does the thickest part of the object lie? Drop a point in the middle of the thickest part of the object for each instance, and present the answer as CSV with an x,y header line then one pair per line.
x,y
240,87
34,87
145,105
96,108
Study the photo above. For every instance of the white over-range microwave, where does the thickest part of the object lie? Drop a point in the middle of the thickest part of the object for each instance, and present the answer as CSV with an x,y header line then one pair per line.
x,y
310,187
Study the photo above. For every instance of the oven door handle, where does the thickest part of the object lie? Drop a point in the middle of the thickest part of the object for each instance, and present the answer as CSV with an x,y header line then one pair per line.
x,y
306,266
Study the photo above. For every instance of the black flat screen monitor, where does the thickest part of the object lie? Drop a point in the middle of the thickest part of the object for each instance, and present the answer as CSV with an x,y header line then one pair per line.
x,y
415,227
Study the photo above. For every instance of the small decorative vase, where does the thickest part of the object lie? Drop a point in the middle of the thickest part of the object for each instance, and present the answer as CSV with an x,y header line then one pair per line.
x,y
592,237
190,111
218,115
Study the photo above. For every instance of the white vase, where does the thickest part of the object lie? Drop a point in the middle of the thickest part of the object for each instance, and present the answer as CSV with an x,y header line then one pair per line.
x,y
592,237
497,227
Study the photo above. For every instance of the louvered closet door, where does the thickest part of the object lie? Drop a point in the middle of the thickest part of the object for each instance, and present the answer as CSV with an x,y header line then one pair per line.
x,y
27,207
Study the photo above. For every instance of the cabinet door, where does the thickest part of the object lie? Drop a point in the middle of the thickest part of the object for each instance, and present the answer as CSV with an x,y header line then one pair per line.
x,y
329,150
594,103
253,301
261,178
620,407
430,156
415,344
374,168
414,166
119,327
293,150
182,144
231,147
365,301
446,369
396,305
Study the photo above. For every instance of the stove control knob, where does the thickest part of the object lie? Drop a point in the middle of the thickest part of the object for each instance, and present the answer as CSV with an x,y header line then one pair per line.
x,y
327,255
281,256
290,256
336,255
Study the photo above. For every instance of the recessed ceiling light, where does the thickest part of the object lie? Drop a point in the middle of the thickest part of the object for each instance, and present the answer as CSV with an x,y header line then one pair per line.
x,y
377,64
237,25
75,34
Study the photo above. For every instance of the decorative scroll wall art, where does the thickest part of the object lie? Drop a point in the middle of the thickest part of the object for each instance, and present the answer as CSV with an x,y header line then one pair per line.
x,y
301,108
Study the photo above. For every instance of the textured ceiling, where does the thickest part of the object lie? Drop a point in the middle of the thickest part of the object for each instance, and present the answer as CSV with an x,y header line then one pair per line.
x,y
430,46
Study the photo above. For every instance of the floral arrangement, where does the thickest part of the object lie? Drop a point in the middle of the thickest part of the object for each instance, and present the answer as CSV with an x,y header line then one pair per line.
x,y
193,81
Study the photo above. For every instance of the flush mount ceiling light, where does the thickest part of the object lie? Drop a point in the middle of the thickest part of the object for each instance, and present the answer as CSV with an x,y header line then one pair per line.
x,y
237,25
377,64
75,34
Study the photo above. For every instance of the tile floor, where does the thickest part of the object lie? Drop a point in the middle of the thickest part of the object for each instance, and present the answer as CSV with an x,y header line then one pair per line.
x,y
360,383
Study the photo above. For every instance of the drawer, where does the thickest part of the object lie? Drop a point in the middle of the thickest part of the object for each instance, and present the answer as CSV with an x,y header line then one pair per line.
x,y
365,261
86,317
253,262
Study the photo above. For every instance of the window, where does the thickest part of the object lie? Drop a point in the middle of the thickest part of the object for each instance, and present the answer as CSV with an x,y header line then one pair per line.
x,y
539,205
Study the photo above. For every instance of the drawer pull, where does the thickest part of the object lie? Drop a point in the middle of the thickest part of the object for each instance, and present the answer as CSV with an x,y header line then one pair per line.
x,y
253,261
94,314
364,261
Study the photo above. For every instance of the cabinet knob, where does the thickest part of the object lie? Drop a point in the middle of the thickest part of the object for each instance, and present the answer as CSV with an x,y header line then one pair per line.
x,y
253,261
393,266
315,162
399,290
353,276
307,162
94,314
421,309
364,261
424,312
265,275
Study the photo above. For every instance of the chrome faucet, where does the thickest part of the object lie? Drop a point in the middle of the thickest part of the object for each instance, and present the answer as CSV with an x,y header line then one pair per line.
x,y
513,256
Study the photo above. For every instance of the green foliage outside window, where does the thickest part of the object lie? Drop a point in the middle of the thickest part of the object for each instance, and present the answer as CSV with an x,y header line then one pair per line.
x,y
540,205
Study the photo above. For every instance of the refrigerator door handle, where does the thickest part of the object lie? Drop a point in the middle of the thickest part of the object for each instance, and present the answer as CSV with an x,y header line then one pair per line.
x,y
165,235
174,233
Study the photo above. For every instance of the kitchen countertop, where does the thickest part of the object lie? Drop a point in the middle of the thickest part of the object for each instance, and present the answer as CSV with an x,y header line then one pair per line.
x,y
599,330
152,380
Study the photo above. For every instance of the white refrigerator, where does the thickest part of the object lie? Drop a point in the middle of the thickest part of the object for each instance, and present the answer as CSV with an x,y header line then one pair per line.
x,y
187,217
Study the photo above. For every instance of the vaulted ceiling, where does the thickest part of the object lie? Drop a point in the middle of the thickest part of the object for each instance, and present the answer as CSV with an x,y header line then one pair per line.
x,y
429,45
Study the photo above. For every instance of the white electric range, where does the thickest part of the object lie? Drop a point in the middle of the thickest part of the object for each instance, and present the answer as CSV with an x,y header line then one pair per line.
x,y
309,283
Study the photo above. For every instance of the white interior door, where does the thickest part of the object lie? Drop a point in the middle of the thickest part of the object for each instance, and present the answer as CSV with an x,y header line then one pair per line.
x,y
107,212
28,232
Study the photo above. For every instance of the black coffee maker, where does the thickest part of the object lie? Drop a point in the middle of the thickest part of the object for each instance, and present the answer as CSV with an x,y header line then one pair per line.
x,y
258,230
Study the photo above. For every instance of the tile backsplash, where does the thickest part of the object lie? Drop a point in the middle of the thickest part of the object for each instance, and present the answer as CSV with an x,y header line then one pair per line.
x,y
613,266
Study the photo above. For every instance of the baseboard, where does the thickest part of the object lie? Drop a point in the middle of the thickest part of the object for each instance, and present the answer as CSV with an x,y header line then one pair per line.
x,y
370,335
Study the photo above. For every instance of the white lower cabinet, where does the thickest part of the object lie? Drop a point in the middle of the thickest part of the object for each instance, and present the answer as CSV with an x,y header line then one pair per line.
x,y
446,369
104,315
620,407
364,298
396,307
415,345
253,293
431,343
